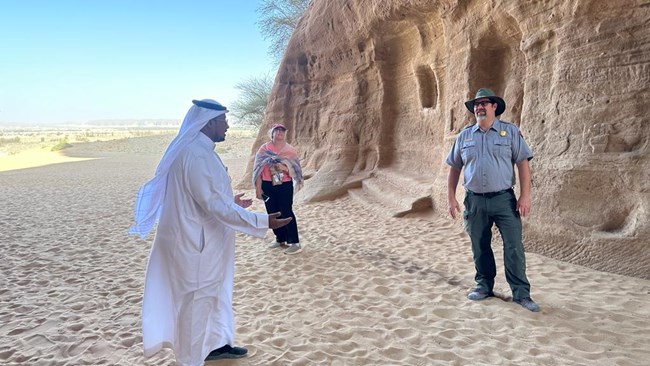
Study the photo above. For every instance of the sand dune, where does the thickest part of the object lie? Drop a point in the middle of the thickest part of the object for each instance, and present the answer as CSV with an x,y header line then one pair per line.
x,y
33,158
367,290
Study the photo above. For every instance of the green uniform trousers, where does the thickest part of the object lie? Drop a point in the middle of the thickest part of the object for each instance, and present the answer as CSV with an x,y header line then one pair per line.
x,y
481,212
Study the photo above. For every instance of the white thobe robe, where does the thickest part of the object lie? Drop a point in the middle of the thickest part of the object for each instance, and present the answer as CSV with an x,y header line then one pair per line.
x,y
187,304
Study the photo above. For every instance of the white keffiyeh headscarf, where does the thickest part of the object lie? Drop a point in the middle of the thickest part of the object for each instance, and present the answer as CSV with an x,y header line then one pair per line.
x,y
149,199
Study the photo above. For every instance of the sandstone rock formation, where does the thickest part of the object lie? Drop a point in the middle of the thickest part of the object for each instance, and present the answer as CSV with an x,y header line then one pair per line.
x,y
372,93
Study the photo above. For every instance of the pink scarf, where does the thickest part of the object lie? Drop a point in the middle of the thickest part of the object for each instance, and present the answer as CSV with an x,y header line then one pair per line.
x,y
287,156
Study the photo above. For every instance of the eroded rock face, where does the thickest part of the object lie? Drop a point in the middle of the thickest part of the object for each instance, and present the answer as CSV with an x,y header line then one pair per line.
x,y
372,92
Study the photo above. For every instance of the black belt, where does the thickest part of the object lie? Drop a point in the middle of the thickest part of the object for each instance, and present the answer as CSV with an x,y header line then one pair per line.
x,y
490,194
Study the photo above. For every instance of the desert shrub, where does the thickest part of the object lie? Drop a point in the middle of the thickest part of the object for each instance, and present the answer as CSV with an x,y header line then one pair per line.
x,y
9,140
222,149
63,144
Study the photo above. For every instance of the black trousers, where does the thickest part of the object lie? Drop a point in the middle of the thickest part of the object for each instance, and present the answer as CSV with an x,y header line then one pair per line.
x,y
481,213
281,200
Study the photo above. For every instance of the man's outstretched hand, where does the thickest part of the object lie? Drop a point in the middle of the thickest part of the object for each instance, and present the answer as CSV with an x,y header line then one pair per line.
x,y
275,222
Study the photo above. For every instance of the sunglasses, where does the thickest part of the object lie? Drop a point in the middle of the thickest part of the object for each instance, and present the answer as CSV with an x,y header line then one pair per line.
x,y
482,103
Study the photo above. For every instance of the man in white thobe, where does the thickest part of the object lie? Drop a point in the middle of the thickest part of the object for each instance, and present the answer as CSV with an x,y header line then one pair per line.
x,y
187,304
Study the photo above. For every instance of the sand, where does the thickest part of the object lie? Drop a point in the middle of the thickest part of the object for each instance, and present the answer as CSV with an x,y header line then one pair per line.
x,y
34,158
366,290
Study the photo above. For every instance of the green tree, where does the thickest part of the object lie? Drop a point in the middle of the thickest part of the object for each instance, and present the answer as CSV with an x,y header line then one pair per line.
x,y
278,20
253,96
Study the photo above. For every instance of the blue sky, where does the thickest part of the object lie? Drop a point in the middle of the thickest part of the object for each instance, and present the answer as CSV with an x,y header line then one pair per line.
x,y
80,60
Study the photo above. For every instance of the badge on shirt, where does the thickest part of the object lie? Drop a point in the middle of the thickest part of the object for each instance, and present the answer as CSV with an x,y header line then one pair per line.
x,y
502,133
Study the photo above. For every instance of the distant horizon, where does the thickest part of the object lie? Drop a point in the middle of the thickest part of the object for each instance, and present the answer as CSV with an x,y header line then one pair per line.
x,y
118,122
73,62
97,122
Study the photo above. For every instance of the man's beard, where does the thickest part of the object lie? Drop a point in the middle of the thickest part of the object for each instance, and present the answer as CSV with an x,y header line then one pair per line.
x,y
480,118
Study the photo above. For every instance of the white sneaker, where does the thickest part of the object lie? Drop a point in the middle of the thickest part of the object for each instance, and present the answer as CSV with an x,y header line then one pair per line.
x,y
277,244
293,249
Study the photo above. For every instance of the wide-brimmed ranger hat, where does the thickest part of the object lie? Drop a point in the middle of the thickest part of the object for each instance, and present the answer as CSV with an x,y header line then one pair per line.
x,y
489,94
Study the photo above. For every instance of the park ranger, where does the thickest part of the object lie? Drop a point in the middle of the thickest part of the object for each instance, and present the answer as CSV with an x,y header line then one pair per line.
x,y
487,152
